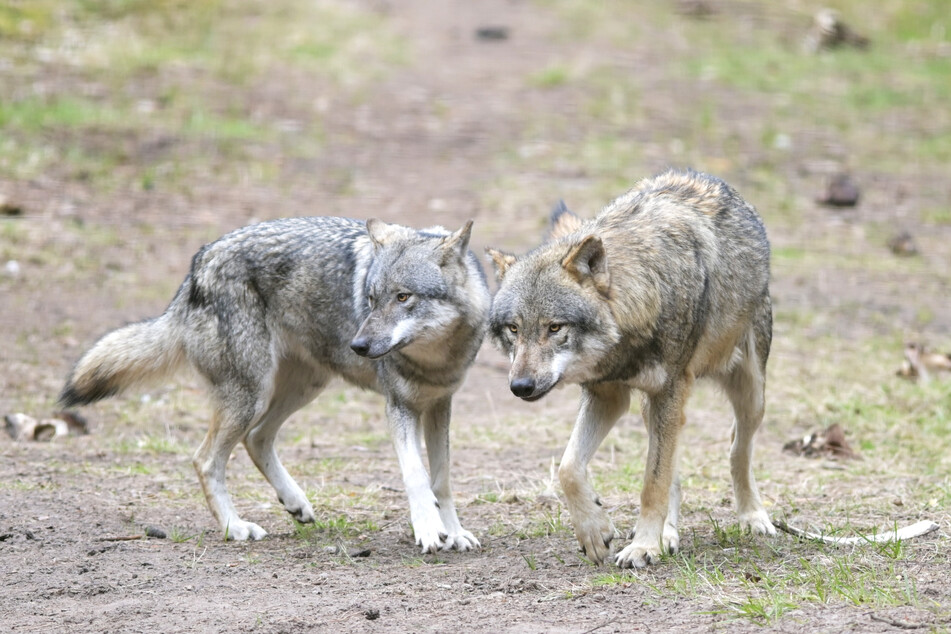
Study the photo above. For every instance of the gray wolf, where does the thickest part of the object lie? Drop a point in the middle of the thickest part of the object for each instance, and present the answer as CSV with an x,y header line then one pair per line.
x,y
670,282
270,313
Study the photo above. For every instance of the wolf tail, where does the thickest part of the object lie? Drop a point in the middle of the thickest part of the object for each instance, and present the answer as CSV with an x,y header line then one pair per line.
x,y
137,354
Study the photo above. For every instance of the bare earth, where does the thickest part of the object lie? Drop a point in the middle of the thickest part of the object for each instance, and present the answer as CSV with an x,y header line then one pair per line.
x,y
418,147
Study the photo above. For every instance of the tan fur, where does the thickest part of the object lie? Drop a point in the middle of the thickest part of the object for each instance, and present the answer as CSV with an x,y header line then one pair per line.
x,y
564,225
667,284
502,262
129,357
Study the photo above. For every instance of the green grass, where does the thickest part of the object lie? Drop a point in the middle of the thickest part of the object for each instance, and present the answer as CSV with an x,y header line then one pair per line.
x,y
892,79
178,535
902,431
751,579
150,444
234,41
162,71
551,77
331,527
756,102
20,485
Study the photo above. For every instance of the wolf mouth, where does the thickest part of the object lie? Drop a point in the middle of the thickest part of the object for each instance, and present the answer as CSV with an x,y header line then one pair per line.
x,y
534,397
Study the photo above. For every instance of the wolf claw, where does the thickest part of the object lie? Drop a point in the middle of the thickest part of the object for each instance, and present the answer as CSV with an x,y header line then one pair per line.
x,y
463,541
240,531
757,523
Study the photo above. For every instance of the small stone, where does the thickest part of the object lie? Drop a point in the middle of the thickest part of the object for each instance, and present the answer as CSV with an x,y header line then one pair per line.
x,y
492,33
841,191
903,244
155,531
830,32
9,208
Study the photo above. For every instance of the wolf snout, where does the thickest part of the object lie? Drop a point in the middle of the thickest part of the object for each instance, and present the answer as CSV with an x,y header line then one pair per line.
x,y
523,387
361,345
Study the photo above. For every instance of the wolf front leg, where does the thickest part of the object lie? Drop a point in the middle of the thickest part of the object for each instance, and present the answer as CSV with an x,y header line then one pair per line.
x,y
436,428
428,527
656,531
671,537
601,407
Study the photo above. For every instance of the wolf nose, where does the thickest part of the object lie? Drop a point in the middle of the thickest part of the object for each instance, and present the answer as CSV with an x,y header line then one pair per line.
x,y
522,387
361,346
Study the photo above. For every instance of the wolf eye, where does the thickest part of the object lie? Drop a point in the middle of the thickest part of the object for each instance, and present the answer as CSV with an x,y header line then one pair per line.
x,y
402,297
513,328
554,327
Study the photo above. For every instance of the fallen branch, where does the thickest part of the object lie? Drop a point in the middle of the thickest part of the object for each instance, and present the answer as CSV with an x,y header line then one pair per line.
x,y
909,532
120,538
905,625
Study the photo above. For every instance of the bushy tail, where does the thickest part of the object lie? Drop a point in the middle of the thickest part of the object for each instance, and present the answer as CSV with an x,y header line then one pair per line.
x,y
141,353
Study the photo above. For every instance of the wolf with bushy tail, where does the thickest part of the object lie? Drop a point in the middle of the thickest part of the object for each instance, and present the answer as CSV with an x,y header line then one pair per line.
x,y
669,283
270,313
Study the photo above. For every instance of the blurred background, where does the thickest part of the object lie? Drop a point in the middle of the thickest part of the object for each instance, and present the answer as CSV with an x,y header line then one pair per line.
x,y
130,123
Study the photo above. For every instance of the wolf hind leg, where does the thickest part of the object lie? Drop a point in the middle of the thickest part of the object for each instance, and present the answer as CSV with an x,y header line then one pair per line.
x,y
745,387
436,431
601,407
294,386
229,425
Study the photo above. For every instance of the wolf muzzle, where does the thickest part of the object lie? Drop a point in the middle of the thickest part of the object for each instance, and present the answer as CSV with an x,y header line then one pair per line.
x,y
527,388
369,348
361,346
522,387
372,348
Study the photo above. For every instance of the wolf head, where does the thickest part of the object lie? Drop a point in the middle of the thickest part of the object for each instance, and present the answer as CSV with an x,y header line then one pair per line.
x,y
552,313
418,287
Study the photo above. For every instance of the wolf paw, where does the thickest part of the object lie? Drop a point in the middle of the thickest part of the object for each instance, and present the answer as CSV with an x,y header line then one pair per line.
x,y
646,549
757,522
240,531
430,537
462,541
303,513
637,556
595,534
670,539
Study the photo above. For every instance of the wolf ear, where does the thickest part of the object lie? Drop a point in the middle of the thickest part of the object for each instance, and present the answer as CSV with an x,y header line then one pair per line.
x,y
587,260
562,222
457,244
380,232
502,261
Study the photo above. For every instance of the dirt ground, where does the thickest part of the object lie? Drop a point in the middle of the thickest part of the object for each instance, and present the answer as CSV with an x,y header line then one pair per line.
x,y
419,146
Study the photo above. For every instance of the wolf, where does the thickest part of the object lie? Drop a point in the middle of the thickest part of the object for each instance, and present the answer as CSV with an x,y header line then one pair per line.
x,y
669,283
270,313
